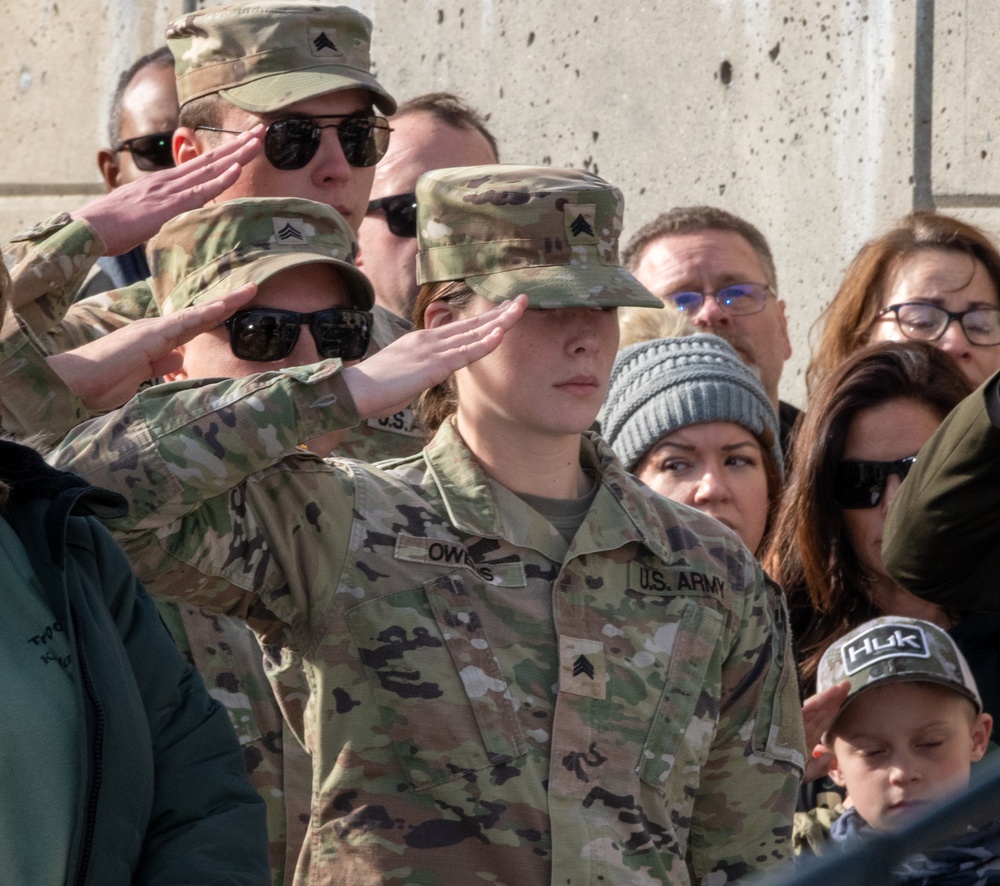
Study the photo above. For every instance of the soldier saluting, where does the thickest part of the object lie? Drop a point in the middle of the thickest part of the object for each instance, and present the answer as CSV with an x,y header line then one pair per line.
x,y
493,694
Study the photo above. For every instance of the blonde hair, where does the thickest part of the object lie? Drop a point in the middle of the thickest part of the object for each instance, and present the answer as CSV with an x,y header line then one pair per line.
x,y
435,405
647,324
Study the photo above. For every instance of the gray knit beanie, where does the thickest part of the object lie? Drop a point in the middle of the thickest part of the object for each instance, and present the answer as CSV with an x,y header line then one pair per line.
x,y
666,384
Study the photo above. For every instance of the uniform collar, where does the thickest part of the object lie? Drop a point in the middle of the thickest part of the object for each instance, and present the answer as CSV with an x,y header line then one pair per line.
x,y
619,514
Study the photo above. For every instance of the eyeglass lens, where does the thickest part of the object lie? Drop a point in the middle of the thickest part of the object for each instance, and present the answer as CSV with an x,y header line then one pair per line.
x,y
265,335
150,152
400,213
927,322
740,298
861,484
292,143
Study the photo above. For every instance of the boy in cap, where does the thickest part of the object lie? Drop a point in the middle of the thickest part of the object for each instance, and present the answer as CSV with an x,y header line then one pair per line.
x,y
905,739
301,74
521,666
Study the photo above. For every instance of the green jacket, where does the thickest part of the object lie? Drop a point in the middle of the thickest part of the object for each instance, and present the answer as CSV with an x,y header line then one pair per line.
x,y
942,535
627,713
165,799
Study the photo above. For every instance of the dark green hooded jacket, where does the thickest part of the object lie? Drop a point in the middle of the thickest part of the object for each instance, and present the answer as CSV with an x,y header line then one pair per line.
x,y
164,799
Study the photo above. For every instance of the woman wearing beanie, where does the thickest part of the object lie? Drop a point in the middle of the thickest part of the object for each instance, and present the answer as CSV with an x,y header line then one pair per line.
x,y
689,419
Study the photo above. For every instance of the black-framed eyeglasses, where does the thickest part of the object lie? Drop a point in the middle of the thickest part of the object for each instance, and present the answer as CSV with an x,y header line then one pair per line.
x,y
926,322
737,299
861,484
291,143
267,334
150,152
400,213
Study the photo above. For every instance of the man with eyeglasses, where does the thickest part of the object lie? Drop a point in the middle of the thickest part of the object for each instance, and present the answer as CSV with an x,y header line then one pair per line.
x,y
718,269
431,131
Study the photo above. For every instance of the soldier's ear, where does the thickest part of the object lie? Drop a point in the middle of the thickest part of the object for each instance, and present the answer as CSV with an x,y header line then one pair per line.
x,y
179,374
107,162
437,313
186,145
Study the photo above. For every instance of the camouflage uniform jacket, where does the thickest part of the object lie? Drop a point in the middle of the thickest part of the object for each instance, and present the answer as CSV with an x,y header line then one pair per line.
x,y
48,265
479,706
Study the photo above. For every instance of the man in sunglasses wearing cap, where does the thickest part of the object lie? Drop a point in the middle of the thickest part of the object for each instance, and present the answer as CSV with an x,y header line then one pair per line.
x,y
300,71
311,303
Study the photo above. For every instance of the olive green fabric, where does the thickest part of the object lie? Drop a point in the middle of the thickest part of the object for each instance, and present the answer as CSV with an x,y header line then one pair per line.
x,y
942,534
549,233
264,56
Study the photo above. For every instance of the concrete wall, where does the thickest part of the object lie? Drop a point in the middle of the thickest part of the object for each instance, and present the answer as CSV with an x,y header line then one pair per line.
x,y
798,114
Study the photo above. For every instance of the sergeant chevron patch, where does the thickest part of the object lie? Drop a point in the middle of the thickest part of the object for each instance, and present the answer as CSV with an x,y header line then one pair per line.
x,y
582,667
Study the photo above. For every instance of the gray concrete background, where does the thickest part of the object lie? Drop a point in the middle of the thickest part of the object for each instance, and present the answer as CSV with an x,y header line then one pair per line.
x,y
822,121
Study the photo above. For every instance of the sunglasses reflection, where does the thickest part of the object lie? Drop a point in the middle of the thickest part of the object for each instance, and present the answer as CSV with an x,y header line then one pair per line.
x,y
264,335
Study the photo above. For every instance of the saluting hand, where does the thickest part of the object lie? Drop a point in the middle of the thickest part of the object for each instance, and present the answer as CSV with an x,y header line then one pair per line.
x,y
395,376
107,372
131,214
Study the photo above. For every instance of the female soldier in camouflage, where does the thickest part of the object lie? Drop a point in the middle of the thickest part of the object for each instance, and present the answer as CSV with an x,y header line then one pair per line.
x,y
522,664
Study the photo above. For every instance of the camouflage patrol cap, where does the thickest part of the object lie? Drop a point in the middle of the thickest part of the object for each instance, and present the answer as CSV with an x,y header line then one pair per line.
x,y
216,249
550,233
894,649
264,56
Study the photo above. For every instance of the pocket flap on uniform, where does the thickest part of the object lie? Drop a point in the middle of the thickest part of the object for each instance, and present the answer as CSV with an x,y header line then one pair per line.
x,y
442,698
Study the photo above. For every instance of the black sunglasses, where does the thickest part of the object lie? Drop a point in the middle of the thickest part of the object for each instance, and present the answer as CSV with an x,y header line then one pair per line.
x,y
150,152
267,334
400,213
291,143
861,484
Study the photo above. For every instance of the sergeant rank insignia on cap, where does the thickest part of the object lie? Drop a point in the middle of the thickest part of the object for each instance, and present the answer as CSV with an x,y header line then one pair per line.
x,y
322,41
285,230
580,221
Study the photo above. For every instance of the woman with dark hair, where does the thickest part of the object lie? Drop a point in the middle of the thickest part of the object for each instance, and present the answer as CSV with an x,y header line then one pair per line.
x,y
932,278
864,426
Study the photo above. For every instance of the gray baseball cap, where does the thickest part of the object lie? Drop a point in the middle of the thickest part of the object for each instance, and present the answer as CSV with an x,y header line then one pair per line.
x,y
893,649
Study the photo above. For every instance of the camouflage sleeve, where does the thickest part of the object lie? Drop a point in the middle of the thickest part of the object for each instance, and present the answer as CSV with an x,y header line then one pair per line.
x,y
208,522
743,813
48,264
34,400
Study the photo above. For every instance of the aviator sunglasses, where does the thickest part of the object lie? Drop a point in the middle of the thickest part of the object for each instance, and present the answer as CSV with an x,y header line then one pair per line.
x,y
150,152
400,213
267,334
291,143
861,484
